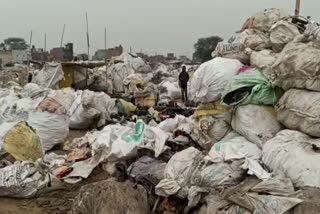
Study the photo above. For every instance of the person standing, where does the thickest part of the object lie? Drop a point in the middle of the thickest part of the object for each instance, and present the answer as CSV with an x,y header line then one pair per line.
x,y
183,82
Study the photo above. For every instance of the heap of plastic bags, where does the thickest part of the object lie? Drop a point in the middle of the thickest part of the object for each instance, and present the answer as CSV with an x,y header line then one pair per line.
x,y
250,146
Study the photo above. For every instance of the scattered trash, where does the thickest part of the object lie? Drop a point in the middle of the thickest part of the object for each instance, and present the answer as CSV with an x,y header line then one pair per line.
x,y
228,150
147,169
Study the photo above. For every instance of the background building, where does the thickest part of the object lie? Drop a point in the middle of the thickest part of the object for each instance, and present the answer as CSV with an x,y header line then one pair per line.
x,y
101,54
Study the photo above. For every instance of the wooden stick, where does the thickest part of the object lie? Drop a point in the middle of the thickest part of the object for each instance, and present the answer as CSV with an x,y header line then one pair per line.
x,y
297,11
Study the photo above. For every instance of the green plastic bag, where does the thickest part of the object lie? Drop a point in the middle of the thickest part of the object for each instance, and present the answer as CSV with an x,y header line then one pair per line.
x,y
251,87
139,132
124,107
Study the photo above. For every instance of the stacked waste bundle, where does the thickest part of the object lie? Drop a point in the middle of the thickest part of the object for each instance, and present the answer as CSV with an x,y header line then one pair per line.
x,y
260,82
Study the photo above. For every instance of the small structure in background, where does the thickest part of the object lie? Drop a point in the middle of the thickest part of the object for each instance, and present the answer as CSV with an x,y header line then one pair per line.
x,y
102,54
81,57
14,50
170,56
62,54
39,55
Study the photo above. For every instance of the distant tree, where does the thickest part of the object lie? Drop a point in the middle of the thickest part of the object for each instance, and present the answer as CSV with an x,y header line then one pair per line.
x,y
204,47
14,43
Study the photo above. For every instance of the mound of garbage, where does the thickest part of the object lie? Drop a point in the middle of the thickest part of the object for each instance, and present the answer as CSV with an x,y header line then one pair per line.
x,y
250,145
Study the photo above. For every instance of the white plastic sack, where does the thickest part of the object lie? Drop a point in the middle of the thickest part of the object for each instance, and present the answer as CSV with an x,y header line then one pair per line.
x,y
22,180
65,97
169,91
274,195
263,60
238,46
296,155
282,33
169,125
161,73
49,76
119,72
90,107
34,91
14,109
117,142
14,106
51,128
179,171
187,176
298,65
300,110
233,147
135,62
255,40
256,123
97,79
82,118
211,78
263,20
209,130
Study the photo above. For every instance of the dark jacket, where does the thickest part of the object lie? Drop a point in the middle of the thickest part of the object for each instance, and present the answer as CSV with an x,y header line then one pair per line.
x,y
183,79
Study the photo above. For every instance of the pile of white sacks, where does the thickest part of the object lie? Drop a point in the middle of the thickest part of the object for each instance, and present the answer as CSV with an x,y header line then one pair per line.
x,y
266,160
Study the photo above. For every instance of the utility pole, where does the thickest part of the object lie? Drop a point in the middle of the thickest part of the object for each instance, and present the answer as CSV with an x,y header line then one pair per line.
x,y
62,35
105,45
30,40
30,49
297,10
45,42
88,43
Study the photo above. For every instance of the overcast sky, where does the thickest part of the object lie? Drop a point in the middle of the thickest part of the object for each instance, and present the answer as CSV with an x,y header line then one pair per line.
x,y
148,25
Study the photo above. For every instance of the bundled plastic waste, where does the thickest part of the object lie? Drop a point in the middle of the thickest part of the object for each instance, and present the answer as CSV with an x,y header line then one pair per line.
x,y
91,109
211,78
297,66
250,87
257,123
295,154
49,76
50,120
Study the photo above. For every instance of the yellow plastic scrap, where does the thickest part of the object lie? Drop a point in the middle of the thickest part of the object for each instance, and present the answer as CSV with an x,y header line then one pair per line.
x,y
23,143
191,74
137,82
128,107
210,109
